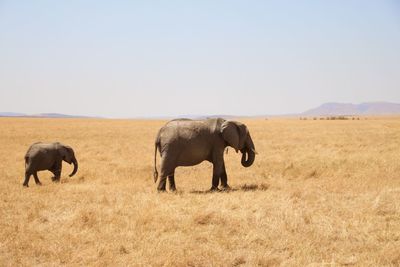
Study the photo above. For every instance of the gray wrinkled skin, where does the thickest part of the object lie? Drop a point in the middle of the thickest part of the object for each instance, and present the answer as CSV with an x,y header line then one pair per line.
x,y
48,156
184,142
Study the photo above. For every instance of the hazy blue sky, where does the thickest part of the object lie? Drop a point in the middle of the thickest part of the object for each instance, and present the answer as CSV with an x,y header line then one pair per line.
x,y
147,58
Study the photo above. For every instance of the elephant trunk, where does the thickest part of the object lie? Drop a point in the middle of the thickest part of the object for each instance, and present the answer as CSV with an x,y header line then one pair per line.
x,y
75,162
250,157
248,152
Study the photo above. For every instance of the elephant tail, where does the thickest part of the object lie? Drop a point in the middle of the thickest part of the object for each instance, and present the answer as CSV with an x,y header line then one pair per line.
x,y
156,145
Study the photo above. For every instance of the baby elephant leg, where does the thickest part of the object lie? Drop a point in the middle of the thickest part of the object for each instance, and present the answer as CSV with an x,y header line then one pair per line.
x,y
36,179
57,175
56,170
27,177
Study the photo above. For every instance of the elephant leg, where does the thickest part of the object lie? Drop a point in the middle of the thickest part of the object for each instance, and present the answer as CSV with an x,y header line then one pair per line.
x,y
218,163
162,184
36,179
171,180
27,177
56,170
166,169
224,179
214,183
57,175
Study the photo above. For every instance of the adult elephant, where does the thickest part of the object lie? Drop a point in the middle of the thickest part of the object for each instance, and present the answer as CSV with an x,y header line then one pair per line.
x,y
48,156
184,142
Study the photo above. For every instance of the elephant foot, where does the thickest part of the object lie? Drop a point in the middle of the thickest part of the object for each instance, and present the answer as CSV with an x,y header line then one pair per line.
x,y
25,185
215,189
39,183
161,190
226,188
172,189
56,180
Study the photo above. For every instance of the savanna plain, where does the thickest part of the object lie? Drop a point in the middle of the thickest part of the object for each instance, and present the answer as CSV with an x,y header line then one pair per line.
x,y
320,193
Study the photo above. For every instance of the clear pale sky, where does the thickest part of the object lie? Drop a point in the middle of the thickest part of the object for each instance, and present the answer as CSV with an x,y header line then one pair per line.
x,y
170,58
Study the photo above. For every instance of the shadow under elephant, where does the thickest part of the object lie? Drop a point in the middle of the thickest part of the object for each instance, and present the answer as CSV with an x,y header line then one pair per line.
x,y
240,188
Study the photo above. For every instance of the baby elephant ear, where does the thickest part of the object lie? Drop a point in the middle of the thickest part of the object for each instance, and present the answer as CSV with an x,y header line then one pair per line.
x,y
65,152
230,133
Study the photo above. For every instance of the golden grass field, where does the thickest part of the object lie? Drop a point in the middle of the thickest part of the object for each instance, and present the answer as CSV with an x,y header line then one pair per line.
x,y
320,193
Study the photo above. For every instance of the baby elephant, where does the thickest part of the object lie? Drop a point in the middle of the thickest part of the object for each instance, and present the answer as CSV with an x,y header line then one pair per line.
x,y
48,156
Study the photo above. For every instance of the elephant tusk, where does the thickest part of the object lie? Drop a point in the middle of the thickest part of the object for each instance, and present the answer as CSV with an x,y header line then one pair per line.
x,y
254,151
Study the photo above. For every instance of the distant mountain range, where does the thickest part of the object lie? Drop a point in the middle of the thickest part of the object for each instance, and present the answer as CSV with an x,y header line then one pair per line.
x,y
327,109
371,108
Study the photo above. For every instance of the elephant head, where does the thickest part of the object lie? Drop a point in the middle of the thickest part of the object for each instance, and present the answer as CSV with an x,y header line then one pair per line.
x,y
68,155
237,136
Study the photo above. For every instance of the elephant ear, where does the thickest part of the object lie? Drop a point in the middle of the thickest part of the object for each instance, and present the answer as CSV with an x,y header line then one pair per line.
x,y
243,132
230,133
66,153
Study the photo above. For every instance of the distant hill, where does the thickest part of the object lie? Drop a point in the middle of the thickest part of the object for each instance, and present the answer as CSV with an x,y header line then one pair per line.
x,y
371,108
57,115
11,114
41,115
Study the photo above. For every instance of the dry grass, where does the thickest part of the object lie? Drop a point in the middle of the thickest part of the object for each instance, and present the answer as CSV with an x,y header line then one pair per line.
x,y
320,193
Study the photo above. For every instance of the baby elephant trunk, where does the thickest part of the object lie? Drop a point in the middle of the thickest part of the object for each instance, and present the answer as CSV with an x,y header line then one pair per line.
x,y
75,162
